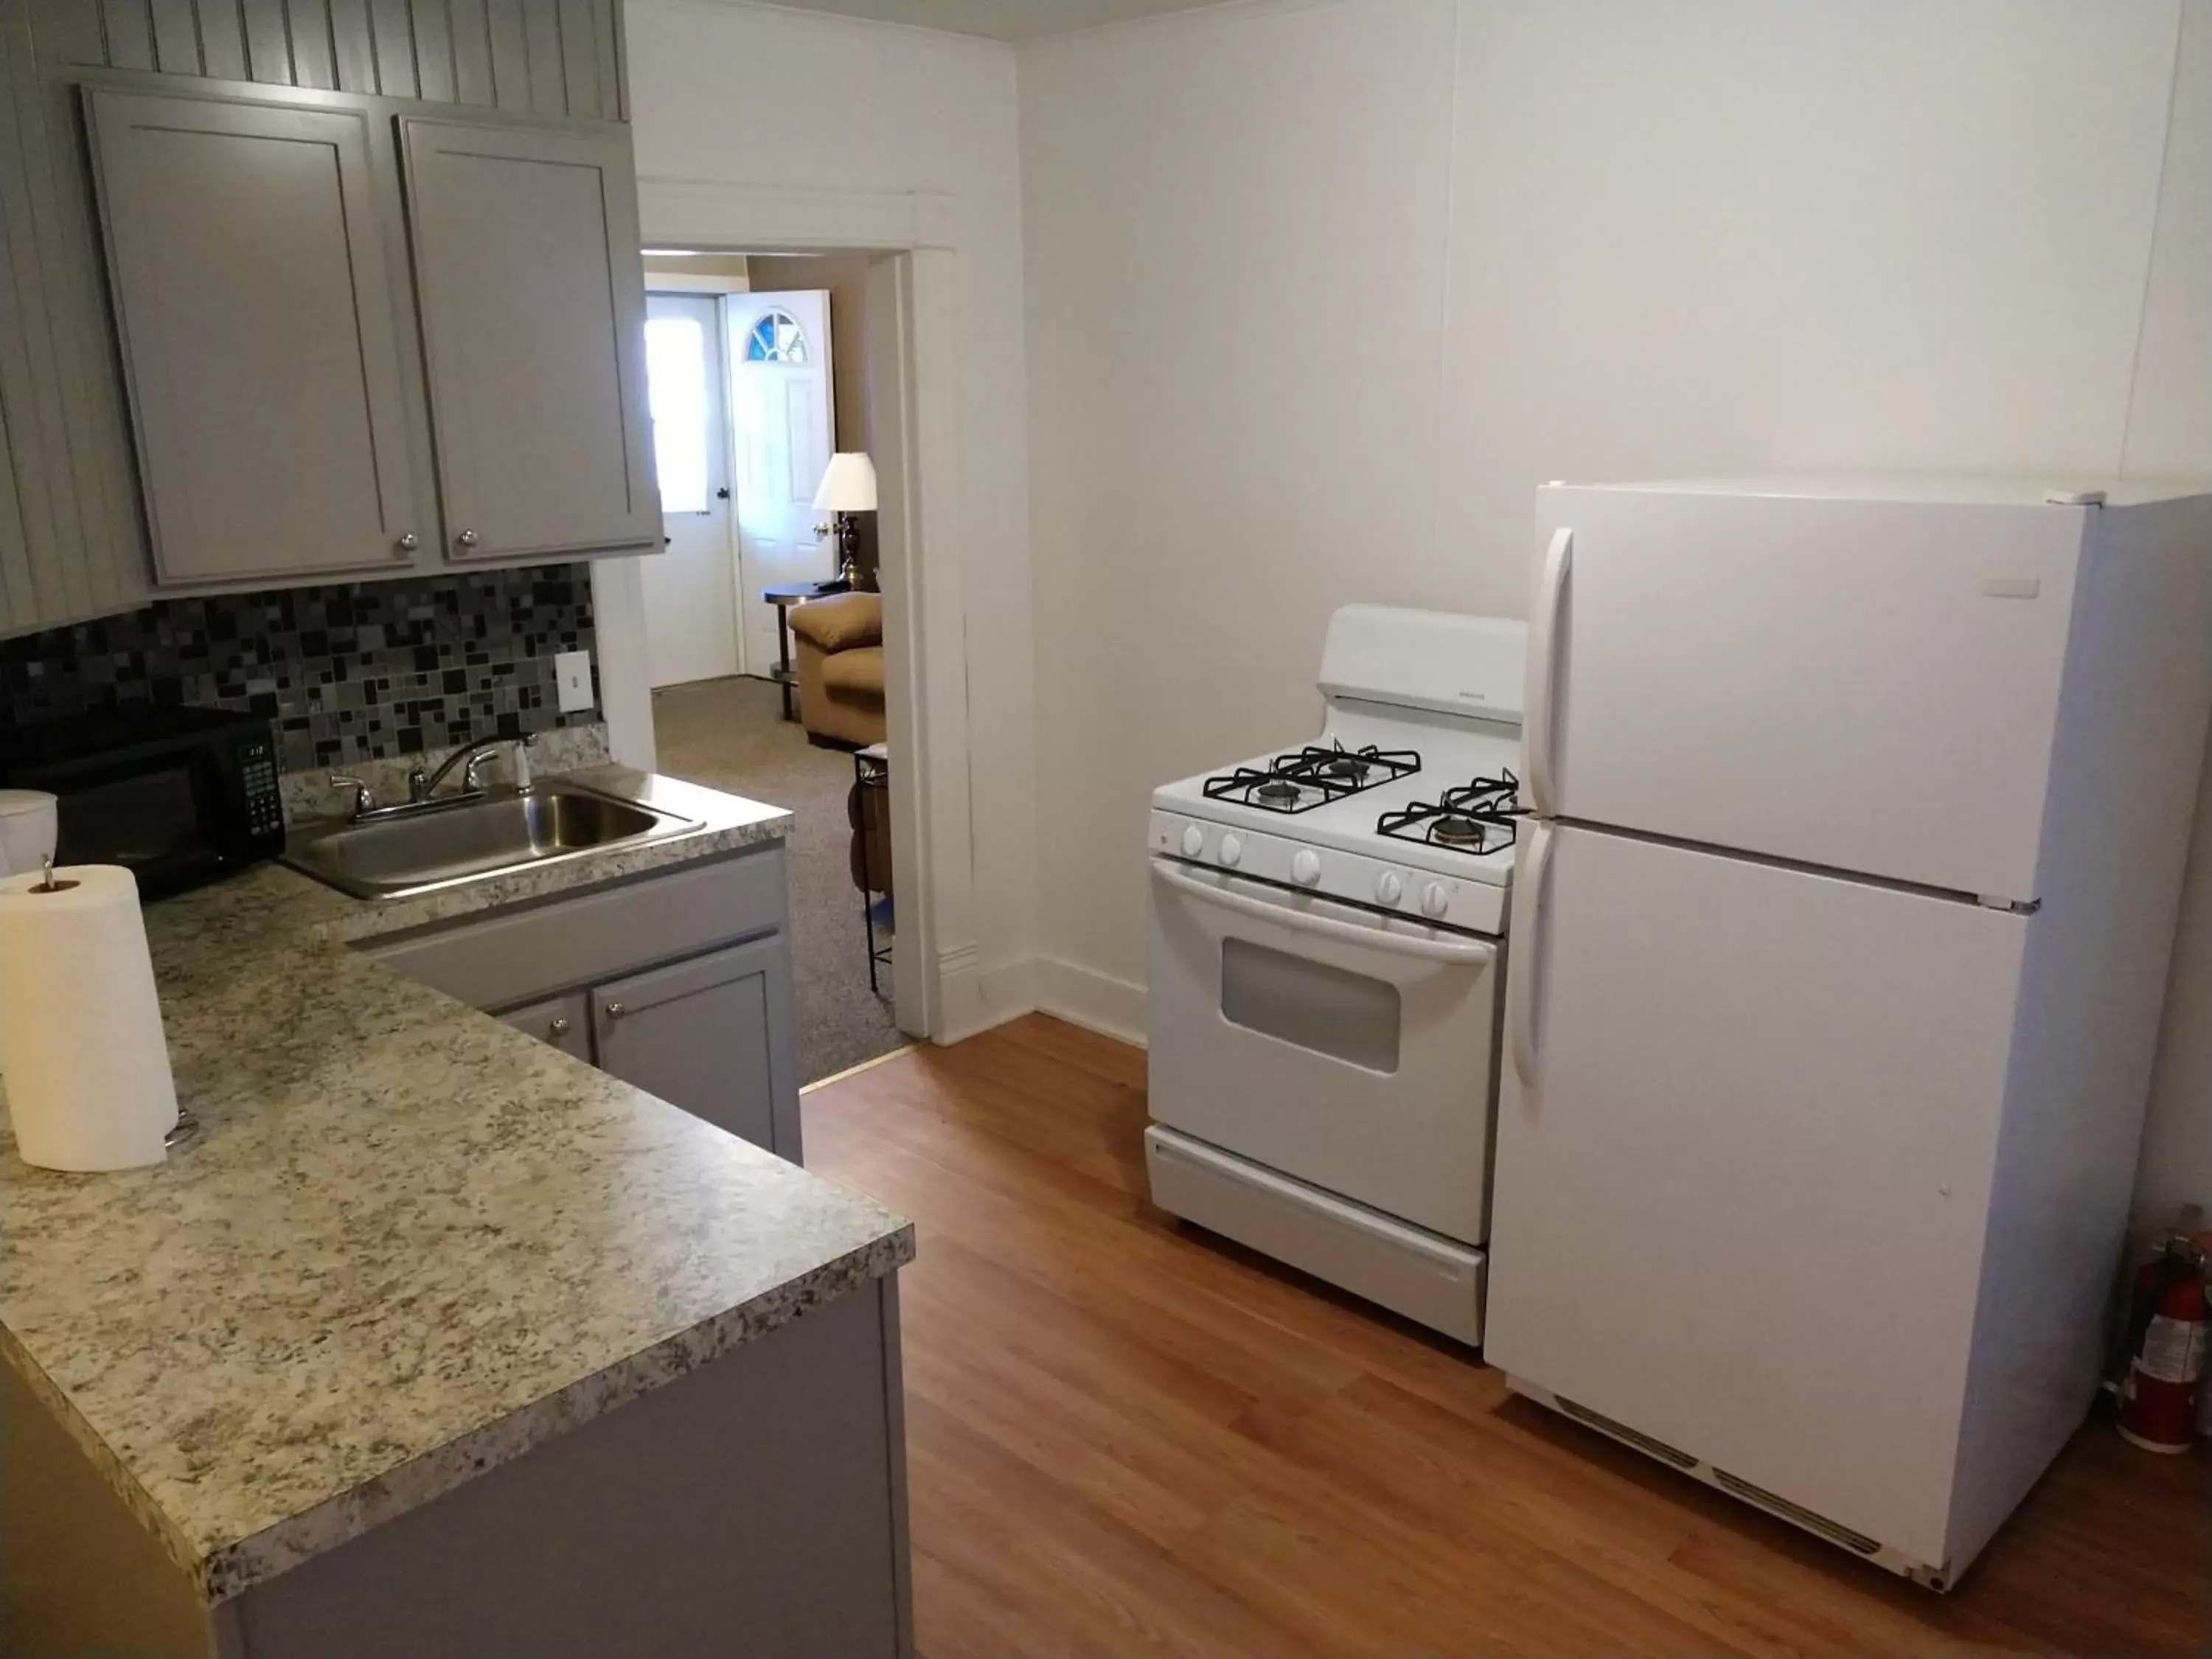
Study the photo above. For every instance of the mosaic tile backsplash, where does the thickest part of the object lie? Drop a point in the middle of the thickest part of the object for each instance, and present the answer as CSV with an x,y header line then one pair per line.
x,y
360,672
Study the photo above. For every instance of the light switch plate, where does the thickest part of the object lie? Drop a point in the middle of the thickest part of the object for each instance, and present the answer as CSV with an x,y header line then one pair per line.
x,y
573,669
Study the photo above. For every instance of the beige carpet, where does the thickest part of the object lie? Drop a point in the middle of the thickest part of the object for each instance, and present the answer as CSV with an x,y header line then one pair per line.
x,y
730,734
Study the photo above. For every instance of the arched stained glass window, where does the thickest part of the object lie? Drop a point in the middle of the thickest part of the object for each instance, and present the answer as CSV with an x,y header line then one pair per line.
x,y
776,338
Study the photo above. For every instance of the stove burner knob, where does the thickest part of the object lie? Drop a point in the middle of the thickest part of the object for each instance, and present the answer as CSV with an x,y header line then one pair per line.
x,y
1306,867
1194,840
1231,849
1387,888
1436,899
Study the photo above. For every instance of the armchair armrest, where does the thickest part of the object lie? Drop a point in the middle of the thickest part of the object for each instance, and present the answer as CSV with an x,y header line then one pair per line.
x,y
840,622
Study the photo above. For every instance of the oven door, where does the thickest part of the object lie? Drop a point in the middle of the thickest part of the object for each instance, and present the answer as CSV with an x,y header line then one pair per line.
x,y
1351,1050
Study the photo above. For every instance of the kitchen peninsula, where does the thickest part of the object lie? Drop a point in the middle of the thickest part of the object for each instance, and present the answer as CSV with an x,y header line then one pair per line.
x,y
436,1339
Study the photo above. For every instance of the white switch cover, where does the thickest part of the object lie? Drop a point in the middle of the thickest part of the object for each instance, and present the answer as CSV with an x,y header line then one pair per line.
x,y
574,671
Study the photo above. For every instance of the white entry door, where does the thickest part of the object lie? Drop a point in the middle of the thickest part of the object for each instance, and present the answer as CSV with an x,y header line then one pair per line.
x,y
690,590
781,411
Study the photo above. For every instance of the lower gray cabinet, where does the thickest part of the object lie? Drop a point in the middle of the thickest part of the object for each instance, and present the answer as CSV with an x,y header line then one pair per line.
x,y
712,1035
564,1022
678,982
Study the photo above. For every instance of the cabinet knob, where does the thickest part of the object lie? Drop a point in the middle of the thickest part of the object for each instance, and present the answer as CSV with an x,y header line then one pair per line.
x,y
409,542
559,1027
615,1011
468,538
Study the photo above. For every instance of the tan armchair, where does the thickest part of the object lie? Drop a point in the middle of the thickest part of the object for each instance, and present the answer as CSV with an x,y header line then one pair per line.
x,y
839,664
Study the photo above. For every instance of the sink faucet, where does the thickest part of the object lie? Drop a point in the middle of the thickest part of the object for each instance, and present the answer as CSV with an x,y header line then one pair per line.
x,y
470,758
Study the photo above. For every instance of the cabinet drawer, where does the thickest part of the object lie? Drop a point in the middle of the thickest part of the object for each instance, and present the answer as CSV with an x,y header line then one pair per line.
x,y
597,935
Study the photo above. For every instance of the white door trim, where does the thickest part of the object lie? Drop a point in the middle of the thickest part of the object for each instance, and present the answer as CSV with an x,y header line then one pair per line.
x,y
664,281
923,609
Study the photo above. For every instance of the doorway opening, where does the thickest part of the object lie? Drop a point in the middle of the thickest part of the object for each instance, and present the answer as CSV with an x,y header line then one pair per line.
x,y
763,618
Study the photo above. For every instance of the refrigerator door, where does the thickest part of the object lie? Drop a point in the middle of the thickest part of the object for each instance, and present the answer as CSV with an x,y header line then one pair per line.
x,y
1864,685
1743,1165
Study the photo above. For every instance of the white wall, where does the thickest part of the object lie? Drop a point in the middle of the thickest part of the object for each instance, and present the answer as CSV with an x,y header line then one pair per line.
x,y
2170,433
751,95
731,270
1319,292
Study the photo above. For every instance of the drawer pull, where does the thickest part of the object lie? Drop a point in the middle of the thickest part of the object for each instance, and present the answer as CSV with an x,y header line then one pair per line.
x,y
561,1027
615,1011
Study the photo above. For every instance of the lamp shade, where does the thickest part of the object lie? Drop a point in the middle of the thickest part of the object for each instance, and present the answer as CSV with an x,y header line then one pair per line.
x,y
849,485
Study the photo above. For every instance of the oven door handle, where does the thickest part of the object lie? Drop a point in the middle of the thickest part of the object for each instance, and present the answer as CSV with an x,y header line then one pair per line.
x,y
1458,953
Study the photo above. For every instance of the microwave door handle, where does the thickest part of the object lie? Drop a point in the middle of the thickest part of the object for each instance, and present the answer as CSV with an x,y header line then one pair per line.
x,y
1466,953
1542,697
1524,986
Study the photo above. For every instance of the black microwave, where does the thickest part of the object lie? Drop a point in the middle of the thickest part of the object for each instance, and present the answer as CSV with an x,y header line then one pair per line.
x,y
177,796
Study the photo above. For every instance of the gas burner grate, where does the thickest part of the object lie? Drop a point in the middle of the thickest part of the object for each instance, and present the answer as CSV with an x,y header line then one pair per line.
x,y
1480,816
1306,778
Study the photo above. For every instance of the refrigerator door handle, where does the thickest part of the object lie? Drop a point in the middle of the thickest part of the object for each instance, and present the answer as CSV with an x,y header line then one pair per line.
x,y
1525,984
1544,668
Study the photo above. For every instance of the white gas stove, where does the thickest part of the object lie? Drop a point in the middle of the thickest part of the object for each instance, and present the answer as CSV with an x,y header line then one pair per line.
x,y
1327,926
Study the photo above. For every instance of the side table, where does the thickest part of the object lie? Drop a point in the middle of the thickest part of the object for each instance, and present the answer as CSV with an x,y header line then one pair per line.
x,y
783,596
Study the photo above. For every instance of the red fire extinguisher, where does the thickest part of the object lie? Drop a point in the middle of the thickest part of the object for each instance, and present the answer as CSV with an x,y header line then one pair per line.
x,y
2169,1342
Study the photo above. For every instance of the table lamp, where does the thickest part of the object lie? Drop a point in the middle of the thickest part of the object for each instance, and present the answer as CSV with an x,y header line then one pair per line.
x,y
849,487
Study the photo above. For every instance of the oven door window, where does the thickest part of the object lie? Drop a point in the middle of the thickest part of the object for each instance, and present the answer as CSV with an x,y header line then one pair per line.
x,y
1328,1009
141,820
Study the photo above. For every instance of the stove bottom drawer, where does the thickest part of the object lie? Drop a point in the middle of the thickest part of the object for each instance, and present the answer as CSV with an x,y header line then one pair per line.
x,y
1429,1279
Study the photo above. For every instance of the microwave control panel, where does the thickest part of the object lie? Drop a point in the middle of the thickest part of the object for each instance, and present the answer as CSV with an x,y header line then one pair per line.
x,y
257,769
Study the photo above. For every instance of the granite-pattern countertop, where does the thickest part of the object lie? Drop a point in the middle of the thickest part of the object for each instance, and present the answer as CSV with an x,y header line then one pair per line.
x,y
409,1243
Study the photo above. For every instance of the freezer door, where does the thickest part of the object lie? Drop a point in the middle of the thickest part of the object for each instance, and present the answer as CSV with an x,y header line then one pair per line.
x,y
1864,685
1743,1166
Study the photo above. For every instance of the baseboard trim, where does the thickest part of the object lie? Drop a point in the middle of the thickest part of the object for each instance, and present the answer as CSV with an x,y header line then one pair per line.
x,y
1098,1002
972,999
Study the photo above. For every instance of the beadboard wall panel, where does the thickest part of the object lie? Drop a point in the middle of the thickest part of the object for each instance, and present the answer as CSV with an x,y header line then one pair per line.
x,y
539,56
58,367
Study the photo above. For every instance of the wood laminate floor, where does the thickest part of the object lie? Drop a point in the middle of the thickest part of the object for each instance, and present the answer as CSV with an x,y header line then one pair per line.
x,y
1127,1437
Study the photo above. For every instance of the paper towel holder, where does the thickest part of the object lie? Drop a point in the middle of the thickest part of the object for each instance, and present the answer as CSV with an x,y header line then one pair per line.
x,y
49,884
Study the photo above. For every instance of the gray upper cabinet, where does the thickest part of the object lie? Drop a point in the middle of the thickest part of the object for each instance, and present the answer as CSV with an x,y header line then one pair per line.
x,y
247,264
534,321
711,1035
195,342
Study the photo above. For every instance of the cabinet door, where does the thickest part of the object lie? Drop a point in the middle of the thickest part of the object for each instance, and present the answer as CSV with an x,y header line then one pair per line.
x,y
260,344
712,1035
564,1022
533,298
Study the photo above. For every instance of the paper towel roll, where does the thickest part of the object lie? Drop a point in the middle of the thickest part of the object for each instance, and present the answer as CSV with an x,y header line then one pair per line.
x,y
80,1043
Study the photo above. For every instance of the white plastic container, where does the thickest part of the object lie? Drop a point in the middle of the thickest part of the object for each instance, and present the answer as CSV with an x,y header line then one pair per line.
x,y
27,830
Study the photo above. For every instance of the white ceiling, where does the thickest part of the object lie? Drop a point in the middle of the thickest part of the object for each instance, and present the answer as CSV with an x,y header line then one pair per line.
x,y
1000,20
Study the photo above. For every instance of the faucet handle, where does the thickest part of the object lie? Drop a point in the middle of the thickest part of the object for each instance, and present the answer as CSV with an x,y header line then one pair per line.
x,y
364,798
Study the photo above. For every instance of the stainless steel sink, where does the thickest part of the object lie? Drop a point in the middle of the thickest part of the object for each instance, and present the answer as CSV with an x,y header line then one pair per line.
x,y
439,844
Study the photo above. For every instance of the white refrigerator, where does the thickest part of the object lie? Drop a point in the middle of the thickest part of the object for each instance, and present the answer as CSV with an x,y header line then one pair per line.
x,y
1841,941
